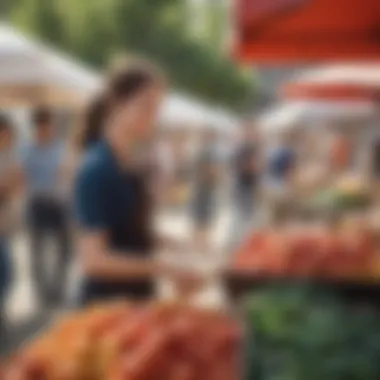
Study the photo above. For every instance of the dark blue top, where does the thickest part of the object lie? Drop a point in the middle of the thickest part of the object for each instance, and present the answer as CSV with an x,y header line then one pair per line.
x,y
110,199
281,162
244,166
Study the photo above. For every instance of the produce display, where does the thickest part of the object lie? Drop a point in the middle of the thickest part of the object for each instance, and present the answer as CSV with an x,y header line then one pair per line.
x,y
309,334
133,342
347,193
347,252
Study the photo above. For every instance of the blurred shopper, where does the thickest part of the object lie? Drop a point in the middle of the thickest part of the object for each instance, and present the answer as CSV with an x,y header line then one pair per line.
x,y
10,185
164,165
280,176
246,172
47,209
181,168
113,199
341,154
206,176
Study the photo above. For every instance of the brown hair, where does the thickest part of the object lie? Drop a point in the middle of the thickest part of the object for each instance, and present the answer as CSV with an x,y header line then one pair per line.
x,y
125,80
6,124
42,115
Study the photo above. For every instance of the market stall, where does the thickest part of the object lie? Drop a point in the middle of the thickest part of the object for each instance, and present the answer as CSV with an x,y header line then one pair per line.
x,y
310,286
343,254
350,84
311,243
305,289
330,139
327,237
345,83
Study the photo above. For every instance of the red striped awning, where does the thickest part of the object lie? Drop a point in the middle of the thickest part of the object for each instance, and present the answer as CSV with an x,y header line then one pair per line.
x,y
330,92
336,82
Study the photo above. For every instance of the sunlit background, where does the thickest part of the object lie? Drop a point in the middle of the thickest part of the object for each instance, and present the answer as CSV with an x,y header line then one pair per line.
x,y
268,146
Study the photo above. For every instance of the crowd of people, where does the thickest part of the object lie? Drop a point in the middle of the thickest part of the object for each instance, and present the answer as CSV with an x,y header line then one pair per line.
x,y
95,194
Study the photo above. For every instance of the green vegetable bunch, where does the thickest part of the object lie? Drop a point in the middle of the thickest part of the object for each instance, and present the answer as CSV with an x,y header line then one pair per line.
x,y
308,334
338,201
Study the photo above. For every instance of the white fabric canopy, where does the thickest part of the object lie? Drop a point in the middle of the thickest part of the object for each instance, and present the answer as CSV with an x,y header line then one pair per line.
x,y
179,111
360,74
176,109
304,114
25,62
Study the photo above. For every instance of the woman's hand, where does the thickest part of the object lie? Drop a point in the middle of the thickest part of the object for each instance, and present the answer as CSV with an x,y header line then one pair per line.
x,y
174,245
187,282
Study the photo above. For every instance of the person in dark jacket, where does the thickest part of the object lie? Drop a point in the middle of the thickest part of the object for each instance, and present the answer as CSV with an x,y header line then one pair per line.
x,y
246,171
206,178
282,165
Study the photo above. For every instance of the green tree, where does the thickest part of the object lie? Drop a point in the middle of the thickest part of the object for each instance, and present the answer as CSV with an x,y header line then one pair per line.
x,y
95,30
42,18
5,8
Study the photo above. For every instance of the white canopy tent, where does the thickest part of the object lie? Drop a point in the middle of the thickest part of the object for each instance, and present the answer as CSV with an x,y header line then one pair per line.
x,y
179,111
25,61
360,74
301,113
223,120
32,73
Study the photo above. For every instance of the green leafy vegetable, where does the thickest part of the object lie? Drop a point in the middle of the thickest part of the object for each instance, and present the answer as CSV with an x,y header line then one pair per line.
x,y
307,334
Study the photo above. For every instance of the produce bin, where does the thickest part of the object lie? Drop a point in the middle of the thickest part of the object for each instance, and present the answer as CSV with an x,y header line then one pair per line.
x,y
132,340
239,285
305,332
346,262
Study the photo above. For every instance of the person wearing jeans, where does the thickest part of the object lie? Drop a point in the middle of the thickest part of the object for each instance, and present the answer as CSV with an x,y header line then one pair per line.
x,y
48,217
206,181
47,209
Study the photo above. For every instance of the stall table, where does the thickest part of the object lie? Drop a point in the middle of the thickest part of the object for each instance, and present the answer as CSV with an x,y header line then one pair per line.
x,y
239,285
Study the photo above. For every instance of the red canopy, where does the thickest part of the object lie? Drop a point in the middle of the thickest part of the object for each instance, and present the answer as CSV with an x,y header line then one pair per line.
x,y
279,31
308,91
360,82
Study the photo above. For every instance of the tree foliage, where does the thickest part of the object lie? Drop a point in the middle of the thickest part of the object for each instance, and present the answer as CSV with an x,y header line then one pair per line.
x,y
95,30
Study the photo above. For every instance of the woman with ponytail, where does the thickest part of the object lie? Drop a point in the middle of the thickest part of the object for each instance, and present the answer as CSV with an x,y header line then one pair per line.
x,y
113,202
